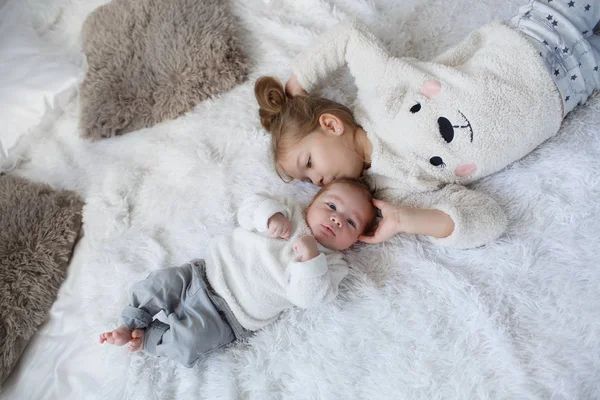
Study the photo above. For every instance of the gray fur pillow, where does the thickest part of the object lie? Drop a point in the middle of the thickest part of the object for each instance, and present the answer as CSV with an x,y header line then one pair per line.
x,y
153,60
39,229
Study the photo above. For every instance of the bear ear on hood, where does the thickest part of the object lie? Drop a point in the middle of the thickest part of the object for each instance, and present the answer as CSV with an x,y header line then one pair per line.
x,y
430,89
395,98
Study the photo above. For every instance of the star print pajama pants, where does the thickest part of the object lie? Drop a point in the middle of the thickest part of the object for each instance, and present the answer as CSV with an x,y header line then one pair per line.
x,y
563,33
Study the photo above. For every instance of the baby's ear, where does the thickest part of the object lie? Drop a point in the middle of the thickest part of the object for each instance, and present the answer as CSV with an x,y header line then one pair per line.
x,y
378,213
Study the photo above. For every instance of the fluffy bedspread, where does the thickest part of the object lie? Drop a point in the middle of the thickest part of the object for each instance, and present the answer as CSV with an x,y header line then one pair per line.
x,y
519,318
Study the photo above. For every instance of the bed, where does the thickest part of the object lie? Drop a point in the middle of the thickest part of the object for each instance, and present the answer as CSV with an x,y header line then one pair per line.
x,y
519,318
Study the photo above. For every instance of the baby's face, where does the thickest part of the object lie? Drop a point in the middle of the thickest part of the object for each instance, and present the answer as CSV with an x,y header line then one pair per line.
x,y
339,216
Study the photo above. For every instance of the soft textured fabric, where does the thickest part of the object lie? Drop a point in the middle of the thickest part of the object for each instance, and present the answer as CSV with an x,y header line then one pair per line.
x,y
33,78
152,60
194,326
259,276
516,319
39,226
562,33
481,105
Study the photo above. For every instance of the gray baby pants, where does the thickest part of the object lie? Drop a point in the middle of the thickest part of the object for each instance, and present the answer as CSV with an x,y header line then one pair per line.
x,y
195,325
563,33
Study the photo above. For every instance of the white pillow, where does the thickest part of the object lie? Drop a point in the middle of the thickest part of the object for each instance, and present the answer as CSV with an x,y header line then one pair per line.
x,y
33,77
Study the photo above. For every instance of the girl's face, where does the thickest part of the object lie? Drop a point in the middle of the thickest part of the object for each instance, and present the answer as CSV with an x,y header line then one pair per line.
x,y
322,157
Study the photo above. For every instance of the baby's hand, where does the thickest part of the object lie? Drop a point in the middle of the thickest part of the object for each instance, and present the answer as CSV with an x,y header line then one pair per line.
x,y
293,87
306,248
279,226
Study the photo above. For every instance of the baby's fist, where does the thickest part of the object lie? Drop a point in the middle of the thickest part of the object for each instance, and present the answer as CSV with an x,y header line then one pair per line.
x,y
306,248
279,226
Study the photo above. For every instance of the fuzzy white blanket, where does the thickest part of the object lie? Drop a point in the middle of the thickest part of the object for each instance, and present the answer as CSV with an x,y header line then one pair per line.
x,y
519,318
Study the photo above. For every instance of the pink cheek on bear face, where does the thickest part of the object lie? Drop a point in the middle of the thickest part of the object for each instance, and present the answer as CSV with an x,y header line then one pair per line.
x,y
465,169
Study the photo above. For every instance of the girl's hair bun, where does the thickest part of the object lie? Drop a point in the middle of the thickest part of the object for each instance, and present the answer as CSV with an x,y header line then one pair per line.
x,y
271,99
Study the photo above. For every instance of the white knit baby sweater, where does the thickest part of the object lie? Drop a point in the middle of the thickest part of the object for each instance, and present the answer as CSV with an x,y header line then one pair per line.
x,y
438,125
259,276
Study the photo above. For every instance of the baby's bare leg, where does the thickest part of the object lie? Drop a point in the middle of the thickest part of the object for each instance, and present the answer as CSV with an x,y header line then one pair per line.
x,y
118,337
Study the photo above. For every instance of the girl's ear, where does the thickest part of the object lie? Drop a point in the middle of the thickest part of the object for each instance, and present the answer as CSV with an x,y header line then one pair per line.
x,y
331,124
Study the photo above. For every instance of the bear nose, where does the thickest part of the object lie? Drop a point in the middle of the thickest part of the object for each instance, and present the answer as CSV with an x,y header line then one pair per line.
x,y
446,129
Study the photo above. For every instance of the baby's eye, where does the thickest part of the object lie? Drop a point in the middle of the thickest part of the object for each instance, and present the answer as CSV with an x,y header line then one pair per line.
x,y
415,108
309,162
351,223
332,206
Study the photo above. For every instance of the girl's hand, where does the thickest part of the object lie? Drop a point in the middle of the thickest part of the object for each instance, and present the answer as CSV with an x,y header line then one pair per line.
x,y
306,248
389,225
397,219
279,227
293,87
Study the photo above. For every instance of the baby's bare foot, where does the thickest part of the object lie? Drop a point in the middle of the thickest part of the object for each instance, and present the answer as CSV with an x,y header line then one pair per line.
x,y
118,337
137,340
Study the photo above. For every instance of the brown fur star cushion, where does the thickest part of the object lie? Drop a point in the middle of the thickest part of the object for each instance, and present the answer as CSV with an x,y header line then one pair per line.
x,y
153,60
39,227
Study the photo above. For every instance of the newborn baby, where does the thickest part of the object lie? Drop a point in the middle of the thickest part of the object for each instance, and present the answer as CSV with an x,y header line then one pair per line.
x,y
282,255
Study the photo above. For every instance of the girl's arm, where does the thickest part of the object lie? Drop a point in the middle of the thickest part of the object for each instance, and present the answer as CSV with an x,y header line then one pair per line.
x,y
453,216
350,44
399,219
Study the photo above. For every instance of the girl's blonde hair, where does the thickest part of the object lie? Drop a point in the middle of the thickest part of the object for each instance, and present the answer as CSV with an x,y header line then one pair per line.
x,y
291,119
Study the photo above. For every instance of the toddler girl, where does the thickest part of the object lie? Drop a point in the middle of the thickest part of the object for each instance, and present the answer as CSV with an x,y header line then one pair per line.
x,y
281,256
432,127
